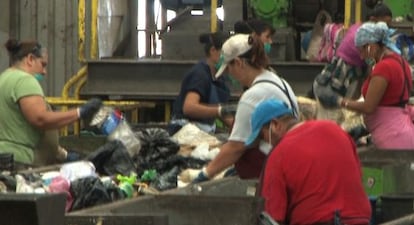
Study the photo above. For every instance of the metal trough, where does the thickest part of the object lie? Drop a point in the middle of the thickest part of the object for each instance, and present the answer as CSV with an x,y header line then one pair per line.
x,y
184,209
226,201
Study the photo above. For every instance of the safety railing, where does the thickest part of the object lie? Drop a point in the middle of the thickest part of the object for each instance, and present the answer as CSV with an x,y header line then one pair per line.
x,y
127,106
77,81
348,12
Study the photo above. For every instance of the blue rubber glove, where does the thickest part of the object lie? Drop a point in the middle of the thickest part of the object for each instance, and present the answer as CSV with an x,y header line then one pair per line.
x,y
89,109
327,97
201,177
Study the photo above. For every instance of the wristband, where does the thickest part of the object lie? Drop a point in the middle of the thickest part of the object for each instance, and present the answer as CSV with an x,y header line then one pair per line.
x,y
219,110
346,104
340,101
204,171
78,112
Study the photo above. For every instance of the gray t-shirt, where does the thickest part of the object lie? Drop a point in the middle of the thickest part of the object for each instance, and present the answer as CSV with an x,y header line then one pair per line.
x,y
258,92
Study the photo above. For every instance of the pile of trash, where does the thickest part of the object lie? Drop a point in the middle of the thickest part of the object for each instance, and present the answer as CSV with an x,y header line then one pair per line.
x,y
130,163
78,180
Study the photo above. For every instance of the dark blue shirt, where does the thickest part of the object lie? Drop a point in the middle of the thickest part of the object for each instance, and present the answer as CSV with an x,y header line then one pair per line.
x,y
200,80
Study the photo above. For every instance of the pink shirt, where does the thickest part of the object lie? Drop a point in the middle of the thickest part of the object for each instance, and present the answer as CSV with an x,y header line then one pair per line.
x,y
347,49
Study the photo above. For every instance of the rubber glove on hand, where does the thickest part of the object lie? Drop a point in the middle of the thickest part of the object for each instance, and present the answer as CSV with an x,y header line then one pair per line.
x,y
227,109
89,109
201,177
192,176
328,98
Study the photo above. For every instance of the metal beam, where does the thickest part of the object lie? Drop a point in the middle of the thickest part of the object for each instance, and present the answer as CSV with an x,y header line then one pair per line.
x,y
161,80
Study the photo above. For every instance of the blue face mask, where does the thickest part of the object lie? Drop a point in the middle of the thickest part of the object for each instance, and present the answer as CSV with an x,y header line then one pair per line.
x,y
39,77
220,62
267,48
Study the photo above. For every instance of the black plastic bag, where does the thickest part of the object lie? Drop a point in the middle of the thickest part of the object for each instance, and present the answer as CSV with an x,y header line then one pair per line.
x,y
181,162
9,182
156,147
166,181
111,159
87,192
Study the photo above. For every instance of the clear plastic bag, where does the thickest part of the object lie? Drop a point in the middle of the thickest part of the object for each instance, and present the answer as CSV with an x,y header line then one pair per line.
x,y
124,133
112,123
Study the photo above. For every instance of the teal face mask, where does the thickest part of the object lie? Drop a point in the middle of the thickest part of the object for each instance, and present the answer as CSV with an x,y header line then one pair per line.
x,y
267,48
220,62
370,61
39,77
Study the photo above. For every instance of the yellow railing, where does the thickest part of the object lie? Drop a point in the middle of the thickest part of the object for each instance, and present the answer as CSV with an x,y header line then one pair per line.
x,y
131,106
78,80
348,12
213,16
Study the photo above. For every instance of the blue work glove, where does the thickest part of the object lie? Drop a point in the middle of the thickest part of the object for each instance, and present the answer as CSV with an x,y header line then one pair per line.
x,y
88,110
227,109
327,97
201,177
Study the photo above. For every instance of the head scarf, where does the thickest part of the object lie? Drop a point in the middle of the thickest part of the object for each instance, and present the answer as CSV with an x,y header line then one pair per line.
x,y
375,33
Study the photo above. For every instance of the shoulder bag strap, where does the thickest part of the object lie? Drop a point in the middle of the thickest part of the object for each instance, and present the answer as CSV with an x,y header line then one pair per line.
x,y
284,90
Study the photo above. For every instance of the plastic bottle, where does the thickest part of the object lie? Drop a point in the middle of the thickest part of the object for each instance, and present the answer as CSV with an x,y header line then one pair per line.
x,y
112,123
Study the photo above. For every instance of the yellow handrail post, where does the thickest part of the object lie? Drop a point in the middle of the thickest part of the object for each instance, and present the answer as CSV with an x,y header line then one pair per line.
x,y
167,109
94,29
347,17
213,16
65,91
358,6
81,80
81,30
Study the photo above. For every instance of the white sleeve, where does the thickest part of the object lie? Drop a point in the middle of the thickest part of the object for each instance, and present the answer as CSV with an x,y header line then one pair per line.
x,y
242,127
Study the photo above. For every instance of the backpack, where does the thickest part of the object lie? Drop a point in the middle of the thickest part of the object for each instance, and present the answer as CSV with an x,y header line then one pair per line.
x,y
332,35
406,45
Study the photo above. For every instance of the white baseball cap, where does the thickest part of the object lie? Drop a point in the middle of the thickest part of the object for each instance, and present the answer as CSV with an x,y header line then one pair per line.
x,y
234,46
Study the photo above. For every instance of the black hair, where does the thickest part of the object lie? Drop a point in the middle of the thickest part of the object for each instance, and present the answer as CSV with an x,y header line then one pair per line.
x,y
20,49
253,25
256,56
371,3
380,10
215,40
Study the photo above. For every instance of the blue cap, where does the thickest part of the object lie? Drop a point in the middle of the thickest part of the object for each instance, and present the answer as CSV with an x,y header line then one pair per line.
x,y
266,111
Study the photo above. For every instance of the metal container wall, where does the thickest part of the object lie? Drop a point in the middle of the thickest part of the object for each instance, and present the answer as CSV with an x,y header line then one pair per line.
x,y
186,209
32,209
229,187
224,201
394,206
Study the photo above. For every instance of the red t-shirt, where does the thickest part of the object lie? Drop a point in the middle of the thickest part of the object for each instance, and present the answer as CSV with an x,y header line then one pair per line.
x,y
312,172
390,68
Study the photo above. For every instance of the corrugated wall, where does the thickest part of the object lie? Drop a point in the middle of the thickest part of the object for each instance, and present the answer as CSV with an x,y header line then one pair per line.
x,y
4,32
54,24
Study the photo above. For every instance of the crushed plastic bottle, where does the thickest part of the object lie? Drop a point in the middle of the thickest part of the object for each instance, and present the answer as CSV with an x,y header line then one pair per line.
x,y
112,123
